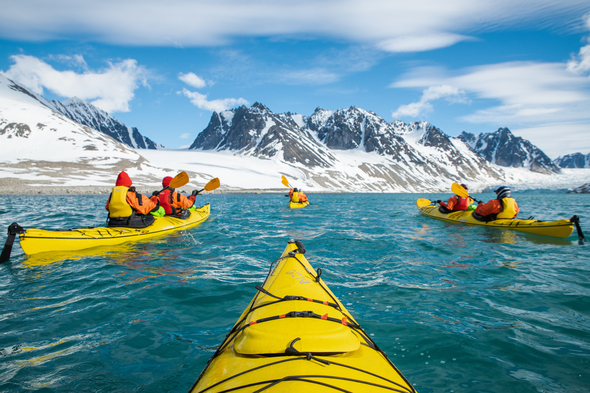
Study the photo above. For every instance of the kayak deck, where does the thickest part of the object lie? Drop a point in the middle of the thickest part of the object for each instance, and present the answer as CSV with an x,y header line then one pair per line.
x,y
296,336
35,240
559,228
298,205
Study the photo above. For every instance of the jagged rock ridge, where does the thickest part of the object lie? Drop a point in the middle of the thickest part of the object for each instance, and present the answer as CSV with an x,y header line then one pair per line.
x,y
576,160
89,115
504,149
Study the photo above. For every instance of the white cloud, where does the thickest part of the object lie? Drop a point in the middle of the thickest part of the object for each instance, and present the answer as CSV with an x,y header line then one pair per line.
x,y
450,93
186,135
390,25
542,101
193,80
110,89
526,92
580,64
315,76
200,101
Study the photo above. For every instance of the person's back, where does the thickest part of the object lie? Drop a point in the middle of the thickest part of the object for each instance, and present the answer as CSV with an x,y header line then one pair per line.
x,y
504,206
127,207
173,202
295,196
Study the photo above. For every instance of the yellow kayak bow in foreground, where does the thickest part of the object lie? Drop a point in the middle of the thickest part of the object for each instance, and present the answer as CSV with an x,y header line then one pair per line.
x,y
296,336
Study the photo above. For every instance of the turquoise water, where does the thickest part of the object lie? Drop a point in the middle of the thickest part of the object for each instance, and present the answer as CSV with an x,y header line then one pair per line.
x,y
456,308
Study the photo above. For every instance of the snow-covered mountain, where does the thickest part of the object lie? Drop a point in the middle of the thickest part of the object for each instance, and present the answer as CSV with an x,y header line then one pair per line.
x,y
42,150
40,144
576,160
349,148
89,115
583,189
504,149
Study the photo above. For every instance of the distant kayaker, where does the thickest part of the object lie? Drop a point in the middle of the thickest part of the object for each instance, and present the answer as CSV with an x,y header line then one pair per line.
x,y
128,208
174,203
297,196
504,206
455,203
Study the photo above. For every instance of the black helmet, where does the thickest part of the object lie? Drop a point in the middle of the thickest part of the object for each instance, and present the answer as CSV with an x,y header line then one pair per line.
x,y
502,192
464,186
295,190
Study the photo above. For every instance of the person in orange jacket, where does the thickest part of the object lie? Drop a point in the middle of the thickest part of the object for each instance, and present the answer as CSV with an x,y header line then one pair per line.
x,y
455,203
173,202
297,196
127,207
504,206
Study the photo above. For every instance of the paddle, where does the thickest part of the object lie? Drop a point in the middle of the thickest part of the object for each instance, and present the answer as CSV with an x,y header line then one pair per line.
x,y
461,191
285,181
212,185
178,181
421,202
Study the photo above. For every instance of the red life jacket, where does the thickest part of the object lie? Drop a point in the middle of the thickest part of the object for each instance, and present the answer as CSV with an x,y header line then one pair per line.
x,y
166,201
462,203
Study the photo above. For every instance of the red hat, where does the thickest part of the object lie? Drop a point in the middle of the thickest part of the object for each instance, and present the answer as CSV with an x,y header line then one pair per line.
x,y
166,181
124,180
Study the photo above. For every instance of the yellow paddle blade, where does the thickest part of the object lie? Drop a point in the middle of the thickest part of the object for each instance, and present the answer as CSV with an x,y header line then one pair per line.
x,y
421,202
212,185
285,181
179,180
459,190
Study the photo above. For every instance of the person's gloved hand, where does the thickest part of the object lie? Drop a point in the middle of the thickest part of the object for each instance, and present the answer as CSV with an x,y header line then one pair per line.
x,y
438,201
195,193
155,193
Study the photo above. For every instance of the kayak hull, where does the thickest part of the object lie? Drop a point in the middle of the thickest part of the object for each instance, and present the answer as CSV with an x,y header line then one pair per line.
x,y
276,346
298,205
559,228
34,241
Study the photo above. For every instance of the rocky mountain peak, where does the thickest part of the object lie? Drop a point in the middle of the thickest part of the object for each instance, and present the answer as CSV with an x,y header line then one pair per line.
x,y
505,149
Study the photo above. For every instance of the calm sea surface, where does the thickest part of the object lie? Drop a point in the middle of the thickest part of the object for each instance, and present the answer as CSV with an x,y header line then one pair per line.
x,y
456,308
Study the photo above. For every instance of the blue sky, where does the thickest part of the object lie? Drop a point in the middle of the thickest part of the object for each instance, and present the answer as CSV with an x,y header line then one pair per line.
x,y
165,66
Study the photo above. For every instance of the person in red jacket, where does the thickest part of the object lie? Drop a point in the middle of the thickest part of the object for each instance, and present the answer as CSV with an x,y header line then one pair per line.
x,y
504,206
127,207
174,202
455,203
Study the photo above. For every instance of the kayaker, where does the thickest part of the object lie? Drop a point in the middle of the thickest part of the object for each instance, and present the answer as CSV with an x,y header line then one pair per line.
x,y
455,203
297,196
504,206
128,208
174,203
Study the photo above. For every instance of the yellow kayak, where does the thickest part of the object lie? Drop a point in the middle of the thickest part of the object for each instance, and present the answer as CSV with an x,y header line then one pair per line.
x,y
298,205
296,336
34,240
559,228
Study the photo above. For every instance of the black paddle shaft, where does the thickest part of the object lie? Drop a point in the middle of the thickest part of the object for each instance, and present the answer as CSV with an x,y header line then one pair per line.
x,y
13,230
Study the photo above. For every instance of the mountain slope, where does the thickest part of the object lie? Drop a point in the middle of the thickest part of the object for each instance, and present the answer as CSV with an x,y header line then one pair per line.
x,y
576,160
504,149
89,115
42,144
348,148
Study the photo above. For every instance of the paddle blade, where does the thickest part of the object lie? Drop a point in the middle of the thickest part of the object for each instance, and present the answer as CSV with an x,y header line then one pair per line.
x,y
422,202
459,190
179,180
285,181
212,185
